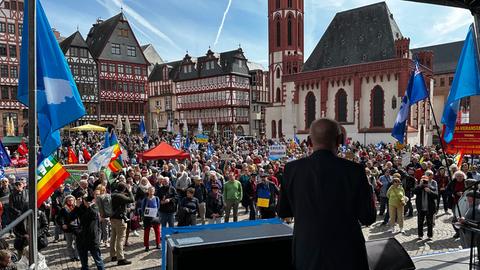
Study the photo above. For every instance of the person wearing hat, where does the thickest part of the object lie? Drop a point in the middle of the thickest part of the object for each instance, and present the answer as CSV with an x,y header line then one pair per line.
x,y
215,206
201,195
268,193
427,193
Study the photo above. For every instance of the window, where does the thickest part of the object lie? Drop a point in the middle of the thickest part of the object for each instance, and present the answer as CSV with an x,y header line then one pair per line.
x,y
12,50
278,73
75,70
14,92
274,129
83,52
3,50
115,48
83,70
131,51
4,93
90,71
442,81
20,6
310,108
14,117
138,71
73,52
13,71
6,5
289,30
13,5
299,41
278,34
103,67
377,102
289,3
128,69
277,4
20,28
278,97
123,33
120,69
111,68
11,28
4,71
341,106
3,27
280,129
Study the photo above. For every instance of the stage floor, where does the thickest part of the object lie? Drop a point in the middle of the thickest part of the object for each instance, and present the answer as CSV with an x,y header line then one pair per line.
x,y
456,260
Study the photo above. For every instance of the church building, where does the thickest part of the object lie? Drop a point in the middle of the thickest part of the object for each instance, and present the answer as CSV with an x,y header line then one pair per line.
x,y
357,74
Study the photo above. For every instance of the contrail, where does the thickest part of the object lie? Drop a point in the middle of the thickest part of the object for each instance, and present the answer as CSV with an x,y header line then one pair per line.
x,y
223,20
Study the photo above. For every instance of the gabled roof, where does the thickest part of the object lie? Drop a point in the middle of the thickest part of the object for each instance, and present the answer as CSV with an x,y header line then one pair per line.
x,y
445,56
157,72
100,33
76,39
364,34
151,54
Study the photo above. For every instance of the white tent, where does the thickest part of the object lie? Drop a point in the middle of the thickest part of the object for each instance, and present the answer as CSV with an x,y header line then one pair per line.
x,y
215,128
119,126
128,128
200,128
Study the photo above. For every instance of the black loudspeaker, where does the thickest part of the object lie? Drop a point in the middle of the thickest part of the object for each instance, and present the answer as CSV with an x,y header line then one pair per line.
x,y
232,248
388,254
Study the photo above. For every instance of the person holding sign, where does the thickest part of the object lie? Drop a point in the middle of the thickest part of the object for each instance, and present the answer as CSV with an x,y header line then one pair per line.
x,y
329,197
267,193
149,209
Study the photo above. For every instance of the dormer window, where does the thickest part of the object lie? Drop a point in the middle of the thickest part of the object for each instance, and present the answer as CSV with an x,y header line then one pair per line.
x,y
187,68
240,63
209,65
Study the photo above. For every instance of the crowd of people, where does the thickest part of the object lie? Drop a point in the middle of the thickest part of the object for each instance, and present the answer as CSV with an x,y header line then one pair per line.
x,y
103,210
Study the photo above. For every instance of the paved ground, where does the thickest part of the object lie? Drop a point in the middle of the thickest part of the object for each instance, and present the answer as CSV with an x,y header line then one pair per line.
x,y
442,241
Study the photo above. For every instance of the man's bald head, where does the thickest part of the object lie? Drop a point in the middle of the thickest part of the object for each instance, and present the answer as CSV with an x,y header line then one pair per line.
x,y
325,133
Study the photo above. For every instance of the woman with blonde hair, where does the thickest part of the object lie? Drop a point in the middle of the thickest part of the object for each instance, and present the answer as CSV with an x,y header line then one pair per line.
x,y
396,203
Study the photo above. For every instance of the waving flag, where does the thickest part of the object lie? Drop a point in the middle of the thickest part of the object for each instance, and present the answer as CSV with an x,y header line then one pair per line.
x,y
22,148
177,142
106,143
116,162
86,155
50,175
4,158
72,158
465,83
416,91
58,101
296,139
100,159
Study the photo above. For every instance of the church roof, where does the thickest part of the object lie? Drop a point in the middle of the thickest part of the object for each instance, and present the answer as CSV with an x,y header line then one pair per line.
x,y
100,32
364,34
445,56
76,40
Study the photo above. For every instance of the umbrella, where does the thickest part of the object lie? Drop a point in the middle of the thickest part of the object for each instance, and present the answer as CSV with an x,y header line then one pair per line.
x,y
215,128
119,126
169,126
8,127
200,128
155,126
128,129
12,126
89,127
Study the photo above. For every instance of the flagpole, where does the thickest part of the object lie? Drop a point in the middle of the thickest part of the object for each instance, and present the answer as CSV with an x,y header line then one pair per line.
x,y
32,133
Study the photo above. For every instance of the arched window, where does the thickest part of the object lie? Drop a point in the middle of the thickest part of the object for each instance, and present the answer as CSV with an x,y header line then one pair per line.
x,y
289,3
278,97
289,30
377,103
278,34
278,73
310,106
277,5
341,106
299,41
280,131
274,129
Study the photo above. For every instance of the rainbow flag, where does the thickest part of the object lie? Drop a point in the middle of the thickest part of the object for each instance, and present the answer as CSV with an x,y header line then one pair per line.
x,y
116,161
50,175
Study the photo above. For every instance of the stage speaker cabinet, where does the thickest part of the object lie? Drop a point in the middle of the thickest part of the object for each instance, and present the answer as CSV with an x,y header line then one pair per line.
x,y
388,254
265,246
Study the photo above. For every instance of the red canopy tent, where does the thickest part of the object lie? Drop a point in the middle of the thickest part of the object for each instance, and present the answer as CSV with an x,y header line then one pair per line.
x,y
163,151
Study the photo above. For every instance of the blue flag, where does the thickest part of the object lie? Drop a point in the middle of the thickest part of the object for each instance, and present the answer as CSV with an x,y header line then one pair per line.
x,y
210,151
416,91
186,146
143,131
113,139
106,144
296,139
177,142
58,101
4,158
465,84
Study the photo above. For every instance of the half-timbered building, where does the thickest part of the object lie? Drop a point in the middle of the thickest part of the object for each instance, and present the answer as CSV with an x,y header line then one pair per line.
x,y
11,26
122,70
84,71
260,98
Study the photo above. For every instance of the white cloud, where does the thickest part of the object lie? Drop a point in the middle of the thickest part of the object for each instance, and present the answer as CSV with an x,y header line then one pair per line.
x,y
223,21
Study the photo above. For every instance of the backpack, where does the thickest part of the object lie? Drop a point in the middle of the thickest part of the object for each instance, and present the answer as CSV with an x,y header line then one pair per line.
x,y
105,206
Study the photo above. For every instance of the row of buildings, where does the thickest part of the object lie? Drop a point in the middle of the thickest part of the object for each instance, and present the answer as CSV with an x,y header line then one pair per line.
x,y
357,74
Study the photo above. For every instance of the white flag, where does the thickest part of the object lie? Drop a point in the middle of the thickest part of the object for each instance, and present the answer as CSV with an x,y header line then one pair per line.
x,y
101,159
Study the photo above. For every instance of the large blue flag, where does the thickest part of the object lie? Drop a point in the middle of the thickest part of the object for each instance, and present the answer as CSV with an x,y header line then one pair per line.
x,y
416,91
58,101
4,158
465,84
106,144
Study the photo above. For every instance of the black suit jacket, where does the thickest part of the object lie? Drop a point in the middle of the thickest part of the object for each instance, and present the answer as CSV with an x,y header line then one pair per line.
x,y
329,197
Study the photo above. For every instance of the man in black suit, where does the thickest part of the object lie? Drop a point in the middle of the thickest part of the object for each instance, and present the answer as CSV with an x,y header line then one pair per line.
x,y
329,197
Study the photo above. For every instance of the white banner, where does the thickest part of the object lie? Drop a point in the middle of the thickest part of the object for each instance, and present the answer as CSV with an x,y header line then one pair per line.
x,y
277,152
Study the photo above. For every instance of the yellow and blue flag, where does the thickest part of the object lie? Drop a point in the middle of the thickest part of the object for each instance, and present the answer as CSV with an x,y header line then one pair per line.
x,y
58,101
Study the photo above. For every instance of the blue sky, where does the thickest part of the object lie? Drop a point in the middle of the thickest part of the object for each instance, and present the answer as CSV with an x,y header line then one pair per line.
x,y
175,26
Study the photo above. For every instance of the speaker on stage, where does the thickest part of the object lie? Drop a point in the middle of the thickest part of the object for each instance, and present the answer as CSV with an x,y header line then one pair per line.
x,y
388,254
